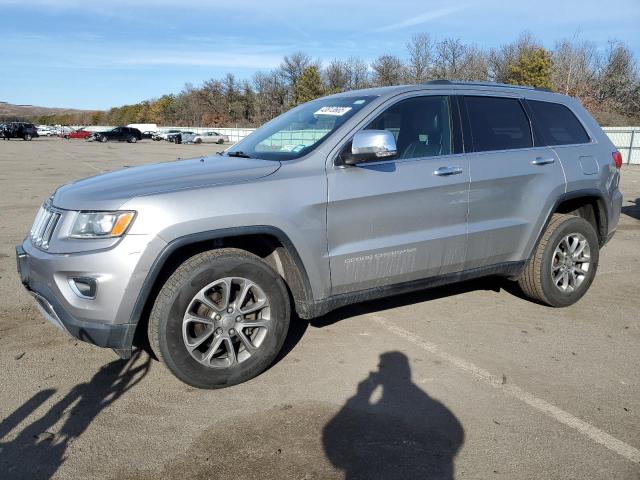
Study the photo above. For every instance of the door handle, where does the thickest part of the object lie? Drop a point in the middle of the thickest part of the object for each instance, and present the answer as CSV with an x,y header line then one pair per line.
x,y
446,171
543,161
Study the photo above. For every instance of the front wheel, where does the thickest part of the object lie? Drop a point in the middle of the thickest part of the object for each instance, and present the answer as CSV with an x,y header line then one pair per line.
x,y
563,264
133,139
220,319
103,139
28,137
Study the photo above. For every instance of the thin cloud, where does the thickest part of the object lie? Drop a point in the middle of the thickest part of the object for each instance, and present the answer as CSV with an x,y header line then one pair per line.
x,y
420,19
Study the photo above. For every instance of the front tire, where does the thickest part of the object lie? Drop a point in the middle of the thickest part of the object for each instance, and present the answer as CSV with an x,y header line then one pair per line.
x,y
563,264
104,139
220,319
133,139
28,137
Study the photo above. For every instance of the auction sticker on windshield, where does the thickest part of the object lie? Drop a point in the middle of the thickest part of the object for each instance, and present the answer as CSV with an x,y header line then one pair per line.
x,y
334,111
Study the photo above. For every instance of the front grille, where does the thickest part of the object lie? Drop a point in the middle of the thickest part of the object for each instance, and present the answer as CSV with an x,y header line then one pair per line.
x,y
43,226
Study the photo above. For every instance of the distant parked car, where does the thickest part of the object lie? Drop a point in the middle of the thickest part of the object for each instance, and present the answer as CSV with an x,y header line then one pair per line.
x,y
211,137
25,131
119,134
164,135
182,137
80,133
45,132
148,135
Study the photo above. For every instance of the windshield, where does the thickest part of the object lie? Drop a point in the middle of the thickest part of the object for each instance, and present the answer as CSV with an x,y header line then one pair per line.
x,y
298,131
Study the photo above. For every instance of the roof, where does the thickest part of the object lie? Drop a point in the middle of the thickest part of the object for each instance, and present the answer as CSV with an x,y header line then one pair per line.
x,y
452,85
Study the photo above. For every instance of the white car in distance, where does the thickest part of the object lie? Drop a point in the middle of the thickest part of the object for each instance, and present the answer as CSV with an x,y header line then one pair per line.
x,y
210,137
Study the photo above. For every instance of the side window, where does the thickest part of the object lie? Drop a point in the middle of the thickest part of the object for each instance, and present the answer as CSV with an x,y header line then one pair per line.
x,y
498,123
421,126
558,124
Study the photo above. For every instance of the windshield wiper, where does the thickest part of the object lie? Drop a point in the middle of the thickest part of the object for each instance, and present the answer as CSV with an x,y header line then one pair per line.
x,y
238,153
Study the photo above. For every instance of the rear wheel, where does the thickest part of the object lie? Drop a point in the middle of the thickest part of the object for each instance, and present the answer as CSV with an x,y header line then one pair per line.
x,y
133,139
220,319
220,142
28,137
564,263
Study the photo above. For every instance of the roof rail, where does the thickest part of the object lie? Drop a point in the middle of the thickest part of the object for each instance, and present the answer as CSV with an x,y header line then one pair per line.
x,y
483,84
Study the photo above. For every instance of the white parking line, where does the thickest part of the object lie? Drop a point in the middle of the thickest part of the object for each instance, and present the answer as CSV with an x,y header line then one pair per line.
x,y
92,166
618,446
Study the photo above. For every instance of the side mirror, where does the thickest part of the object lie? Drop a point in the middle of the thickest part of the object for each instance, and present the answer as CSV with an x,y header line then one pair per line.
x,y
368,145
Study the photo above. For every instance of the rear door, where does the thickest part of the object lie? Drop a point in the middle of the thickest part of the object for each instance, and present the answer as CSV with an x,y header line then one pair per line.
x,y
514,180
561,129
404,218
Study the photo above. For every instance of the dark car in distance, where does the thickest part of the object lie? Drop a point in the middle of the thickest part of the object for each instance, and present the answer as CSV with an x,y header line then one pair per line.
x,y
120,134
25,131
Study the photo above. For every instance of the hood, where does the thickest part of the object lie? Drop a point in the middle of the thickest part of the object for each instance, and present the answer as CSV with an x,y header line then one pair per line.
x,y
111,190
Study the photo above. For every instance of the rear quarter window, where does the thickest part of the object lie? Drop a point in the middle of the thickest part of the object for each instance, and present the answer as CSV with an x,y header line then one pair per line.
x,y
557,124
498,123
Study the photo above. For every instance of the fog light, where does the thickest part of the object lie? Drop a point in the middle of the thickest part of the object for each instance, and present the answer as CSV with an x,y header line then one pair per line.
x,y
84,287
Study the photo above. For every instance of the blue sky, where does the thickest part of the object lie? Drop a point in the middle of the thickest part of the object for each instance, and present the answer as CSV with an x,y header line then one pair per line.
x,y
87,54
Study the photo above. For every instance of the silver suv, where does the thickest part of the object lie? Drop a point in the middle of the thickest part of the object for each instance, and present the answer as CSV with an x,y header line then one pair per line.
x,y
343,199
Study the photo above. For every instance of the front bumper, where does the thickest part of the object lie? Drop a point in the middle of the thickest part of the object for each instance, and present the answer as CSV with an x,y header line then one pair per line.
x,y
105,320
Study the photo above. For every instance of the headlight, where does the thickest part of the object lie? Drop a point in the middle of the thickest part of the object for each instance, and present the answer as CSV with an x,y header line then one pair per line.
x,y
101,224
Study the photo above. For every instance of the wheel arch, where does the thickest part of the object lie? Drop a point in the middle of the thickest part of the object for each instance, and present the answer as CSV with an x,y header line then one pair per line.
x,y
589,204
269,243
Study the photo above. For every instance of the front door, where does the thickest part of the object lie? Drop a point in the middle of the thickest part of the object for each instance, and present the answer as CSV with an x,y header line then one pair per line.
x,y
404,218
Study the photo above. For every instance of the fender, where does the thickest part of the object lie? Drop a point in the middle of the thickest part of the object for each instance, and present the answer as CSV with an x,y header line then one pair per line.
x,y
587,192
175,244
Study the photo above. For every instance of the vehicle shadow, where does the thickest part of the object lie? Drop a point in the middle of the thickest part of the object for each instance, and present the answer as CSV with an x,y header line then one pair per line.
x,y
494,284
403,434
632,211
38,450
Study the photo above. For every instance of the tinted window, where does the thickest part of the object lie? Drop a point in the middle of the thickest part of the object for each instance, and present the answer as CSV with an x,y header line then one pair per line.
x,y
558,125
498,124
421,126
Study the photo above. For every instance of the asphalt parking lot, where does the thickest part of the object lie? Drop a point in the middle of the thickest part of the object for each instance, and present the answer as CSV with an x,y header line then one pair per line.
x,y
466,381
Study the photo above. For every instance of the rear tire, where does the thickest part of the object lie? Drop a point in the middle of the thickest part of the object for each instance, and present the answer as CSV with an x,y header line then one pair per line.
x,y
133,139
563,264
205,301
28,137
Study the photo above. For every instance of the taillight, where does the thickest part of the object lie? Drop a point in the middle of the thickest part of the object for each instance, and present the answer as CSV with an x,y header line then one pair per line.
x,y
617,158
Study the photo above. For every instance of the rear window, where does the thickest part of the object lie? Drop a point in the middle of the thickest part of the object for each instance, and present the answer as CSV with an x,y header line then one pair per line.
x,y
498,124
558,124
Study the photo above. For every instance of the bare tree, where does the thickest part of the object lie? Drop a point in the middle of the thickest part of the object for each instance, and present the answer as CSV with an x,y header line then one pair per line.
x,y
449,58
337,76
358,73
421,55
574,70
387,70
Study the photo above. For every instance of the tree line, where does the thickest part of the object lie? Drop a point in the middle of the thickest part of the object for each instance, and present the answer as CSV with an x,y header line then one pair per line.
x,y
606,80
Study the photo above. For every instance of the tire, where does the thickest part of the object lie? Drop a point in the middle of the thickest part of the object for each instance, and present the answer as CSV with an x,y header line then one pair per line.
x,y
220,142
103,139
133,139
549,262
197,140
28,137
169,333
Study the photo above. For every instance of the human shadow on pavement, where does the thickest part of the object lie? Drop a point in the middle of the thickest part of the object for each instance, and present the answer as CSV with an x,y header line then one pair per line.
x,y
404,434
39,448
